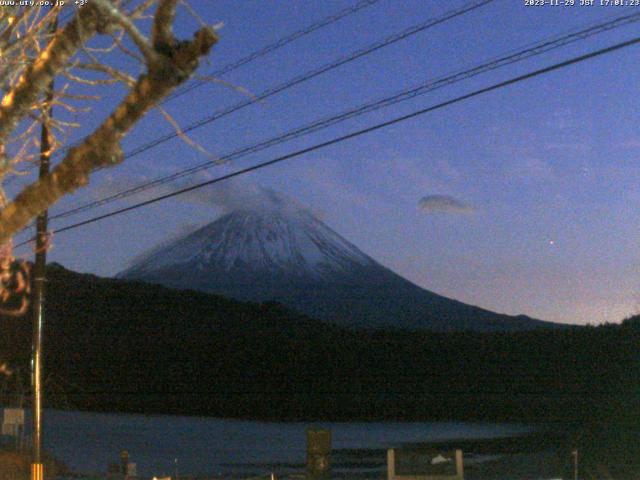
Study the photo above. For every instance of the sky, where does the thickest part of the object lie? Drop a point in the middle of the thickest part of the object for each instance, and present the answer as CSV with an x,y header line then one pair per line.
x,y
523,200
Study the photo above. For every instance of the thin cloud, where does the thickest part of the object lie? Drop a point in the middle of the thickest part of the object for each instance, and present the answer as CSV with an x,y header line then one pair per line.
x,y
230,195
444,204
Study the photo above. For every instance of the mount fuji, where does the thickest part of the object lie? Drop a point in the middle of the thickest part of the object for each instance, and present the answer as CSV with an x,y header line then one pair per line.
x,y
274,250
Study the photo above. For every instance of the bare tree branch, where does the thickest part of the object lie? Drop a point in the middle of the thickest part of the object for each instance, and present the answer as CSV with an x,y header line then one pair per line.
x,y
162,33
123,21
102,147
37,77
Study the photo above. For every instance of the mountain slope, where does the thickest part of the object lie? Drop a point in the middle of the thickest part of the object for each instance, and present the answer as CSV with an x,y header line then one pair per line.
x,y
287,255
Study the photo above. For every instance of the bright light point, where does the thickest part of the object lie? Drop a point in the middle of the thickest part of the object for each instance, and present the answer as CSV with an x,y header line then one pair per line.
x,y
551,242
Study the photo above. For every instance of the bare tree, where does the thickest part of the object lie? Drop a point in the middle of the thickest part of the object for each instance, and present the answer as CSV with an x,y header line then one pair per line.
x,y
85,55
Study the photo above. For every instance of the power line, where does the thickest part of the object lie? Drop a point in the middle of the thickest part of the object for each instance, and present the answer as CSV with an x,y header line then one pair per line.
x,y
429,23
275,46
406,94
496,86
432,22
323,22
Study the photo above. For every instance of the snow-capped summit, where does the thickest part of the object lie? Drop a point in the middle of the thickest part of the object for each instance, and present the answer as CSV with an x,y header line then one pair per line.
x,y
270,241
270,248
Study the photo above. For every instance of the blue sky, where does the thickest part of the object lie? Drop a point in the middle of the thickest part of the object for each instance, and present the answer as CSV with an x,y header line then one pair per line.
x,y
547,168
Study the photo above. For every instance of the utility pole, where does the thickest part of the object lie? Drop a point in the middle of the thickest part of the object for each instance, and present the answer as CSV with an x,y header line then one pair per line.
x,y
39,279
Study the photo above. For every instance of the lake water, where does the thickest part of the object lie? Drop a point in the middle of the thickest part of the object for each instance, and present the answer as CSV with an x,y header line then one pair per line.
x,y
88,442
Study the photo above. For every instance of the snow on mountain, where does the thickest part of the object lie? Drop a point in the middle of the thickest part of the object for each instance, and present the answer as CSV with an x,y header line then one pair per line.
x,y
270,248
279,241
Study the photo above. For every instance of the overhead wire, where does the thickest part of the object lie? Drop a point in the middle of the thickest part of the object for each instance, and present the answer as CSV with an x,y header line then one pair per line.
x,y
387,41
274,46
282,42
309,75
406,94
358,133
390,40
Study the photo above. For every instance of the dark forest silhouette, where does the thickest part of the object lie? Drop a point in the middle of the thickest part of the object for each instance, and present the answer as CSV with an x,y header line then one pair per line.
x,y
132,347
